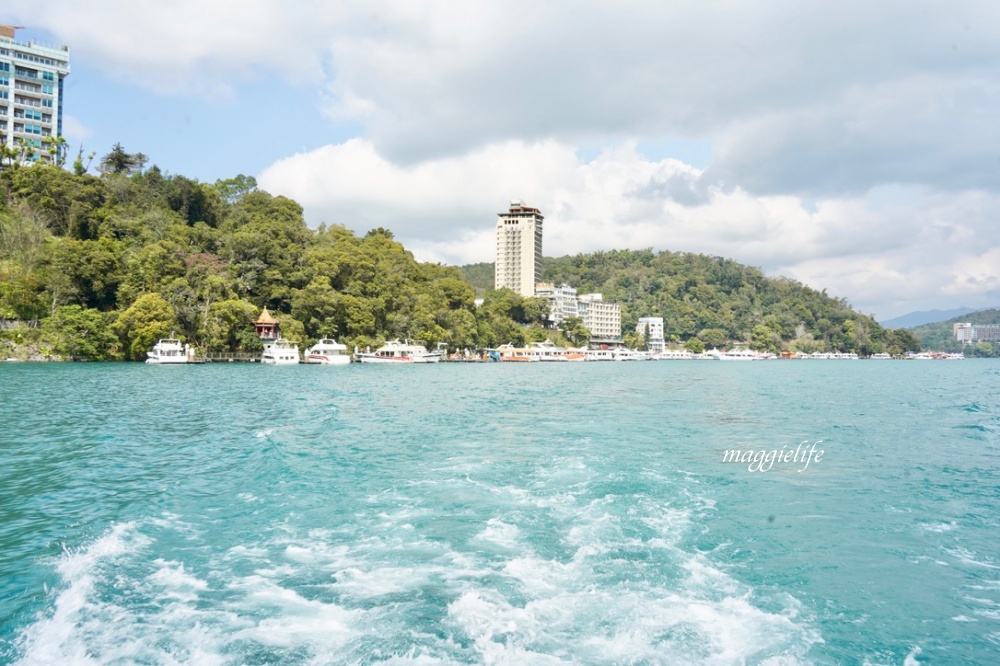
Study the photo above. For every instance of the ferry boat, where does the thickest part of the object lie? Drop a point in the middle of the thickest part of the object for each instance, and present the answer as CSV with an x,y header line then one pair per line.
x,y
511,354
625,354
398,352
674,355
738,354
881,356
547,351
280,352
327,352
599,355
170,351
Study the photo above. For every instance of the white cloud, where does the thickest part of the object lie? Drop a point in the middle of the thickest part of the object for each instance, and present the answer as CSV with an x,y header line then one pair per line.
x,y
75,131
855,144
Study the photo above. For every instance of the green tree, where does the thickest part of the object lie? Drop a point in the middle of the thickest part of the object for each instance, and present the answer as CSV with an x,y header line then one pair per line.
x,y
150,318
229,327
694,345
120,162
82,334
233,189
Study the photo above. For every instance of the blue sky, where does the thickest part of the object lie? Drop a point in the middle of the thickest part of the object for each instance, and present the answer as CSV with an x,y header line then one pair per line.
x,y
852,147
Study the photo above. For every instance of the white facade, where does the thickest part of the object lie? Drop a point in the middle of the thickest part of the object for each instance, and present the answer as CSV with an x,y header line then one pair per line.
x,y
603,320
654,342
519,249
31,93
968,333
562,301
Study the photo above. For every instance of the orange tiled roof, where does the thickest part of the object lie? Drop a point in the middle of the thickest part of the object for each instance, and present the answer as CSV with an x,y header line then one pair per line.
x,y
266,318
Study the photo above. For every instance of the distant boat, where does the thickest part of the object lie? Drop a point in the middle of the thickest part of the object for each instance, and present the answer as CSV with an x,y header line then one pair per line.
x,y
674,355
170,351
280,352
327,352
396,352
881,356
738,354
625,354
600,355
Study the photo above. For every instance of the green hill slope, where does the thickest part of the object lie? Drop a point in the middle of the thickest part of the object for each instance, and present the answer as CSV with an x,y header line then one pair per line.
x,y
718,301
940,336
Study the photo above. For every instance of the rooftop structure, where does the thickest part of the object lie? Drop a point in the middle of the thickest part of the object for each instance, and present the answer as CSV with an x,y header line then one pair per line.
x,y
31,94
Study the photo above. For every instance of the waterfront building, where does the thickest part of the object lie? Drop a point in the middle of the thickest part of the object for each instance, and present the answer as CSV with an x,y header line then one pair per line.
x,y
562,301
603,319
519,249
968,333
31,93
652,328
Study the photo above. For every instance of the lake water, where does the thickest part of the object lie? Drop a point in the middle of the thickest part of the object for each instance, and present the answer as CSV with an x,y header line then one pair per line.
x,y
502,514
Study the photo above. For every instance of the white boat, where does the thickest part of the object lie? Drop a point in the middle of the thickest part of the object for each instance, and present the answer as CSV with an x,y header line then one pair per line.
x,y
327,352
674,355
280,352
170,351
625,354
738,354
398,352
599,355
881,356
953,356
547,351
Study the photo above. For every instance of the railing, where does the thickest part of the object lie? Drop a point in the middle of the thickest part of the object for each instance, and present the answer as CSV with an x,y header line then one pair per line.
x,y
231,357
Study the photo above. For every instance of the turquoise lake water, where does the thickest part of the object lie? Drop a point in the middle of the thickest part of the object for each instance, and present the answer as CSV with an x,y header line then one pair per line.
x,y
502,514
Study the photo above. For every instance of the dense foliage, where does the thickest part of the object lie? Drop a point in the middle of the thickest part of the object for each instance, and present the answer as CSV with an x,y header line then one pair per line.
x,y
717,302
940,336
103,266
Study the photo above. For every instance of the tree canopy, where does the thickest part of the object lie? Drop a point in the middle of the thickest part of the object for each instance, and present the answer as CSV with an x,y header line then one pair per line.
x,y
108,263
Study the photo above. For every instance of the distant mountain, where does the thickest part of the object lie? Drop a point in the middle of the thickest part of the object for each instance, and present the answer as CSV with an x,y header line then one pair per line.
x,y
924,317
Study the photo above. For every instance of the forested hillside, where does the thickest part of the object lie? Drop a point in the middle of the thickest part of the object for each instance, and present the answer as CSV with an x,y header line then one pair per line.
x,y
100,267
940,336
717,301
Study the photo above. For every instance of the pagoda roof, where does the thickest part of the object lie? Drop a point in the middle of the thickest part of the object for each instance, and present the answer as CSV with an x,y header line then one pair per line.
x,y
266,318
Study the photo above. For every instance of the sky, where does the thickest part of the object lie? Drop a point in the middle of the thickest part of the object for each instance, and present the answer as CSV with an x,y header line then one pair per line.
x,y
852,146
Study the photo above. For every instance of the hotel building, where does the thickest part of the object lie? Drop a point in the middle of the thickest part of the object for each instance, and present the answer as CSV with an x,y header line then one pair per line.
x,y
653,328
970,333
562,301
519,249
31,92
602,319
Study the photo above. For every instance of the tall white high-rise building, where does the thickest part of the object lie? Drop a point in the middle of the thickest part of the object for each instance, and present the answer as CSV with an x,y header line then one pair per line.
x,y
31,93
519,249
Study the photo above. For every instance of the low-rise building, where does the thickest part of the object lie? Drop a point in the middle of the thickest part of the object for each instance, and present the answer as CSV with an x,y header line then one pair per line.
x,y
652,329
602,319
968,333
562,301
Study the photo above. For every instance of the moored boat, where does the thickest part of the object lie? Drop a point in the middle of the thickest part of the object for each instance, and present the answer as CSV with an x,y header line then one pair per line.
x,y
398,352
327,352
170,351
280,352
